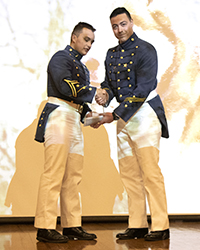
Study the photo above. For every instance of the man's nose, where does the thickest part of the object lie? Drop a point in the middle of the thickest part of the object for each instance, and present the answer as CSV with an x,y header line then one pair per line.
x,y
90,44
120,29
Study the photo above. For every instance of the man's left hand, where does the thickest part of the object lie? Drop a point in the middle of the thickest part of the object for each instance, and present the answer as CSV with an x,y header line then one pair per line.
x,y
107,118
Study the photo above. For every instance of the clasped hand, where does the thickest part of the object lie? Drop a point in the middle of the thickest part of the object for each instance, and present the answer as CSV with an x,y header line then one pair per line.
x,y
107,118
101,96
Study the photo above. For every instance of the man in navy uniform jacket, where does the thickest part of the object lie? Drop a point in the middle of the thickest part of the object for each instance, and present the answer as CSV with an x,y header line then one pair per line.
x,y
131,70
59,128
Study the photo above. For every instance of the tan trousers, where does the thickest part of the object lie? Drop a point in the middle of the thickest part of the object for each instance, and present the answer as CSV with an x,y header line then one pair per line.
x,y
138,152
62,169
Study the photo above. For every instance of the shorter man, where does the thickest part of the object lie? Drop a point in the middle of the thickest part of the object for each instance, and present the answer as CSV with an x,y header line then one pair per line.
x,y
59,128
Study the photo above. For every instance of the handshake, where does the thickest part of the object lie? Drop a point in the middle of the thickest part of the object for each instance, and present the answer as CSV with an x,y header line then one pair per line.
x,y
94,119
101,97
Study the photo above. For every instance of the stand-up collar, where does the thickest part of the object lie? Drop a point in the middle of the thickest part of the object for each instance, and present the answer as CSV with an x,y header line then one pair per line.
x,y
74,52
126,45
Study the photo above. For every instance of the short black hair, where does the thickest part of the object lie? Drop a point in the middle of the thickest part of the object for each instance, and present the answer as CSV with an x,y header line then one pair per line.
x,y
120,10
78,28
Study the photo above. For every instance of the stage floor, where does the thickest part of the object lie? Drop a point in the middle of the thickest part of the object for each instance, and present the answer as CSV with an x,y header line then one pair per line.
x,y
184,236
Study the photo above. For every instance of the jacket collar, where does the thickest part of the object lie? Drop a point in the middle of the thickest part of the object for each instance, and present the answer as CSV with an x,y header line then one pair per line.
x,y
128,43
74,52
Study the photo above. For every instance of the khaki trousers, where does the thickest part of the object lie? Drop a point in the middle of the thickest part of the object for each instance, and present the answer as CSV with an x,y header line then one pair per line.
x,y
62,169
138,152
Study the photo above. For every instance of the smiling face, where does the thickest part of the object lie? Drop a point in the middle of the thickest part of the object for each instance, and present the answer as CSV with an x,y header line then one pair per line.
x,y
83,41
122,27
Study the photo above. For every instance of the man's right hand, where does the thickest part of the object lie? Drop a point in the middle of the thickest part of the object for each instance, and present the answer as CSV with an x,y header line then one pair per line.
x,y
101,96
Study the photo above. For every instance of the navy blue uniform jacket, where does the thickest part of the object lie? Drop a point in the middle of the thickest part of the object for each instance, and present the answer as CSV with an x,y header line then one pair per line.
x,y
131,71
68,79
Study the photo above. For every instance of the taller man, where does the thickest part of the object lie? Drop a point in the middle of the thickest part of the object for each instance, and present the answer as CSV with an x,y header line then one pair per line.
x,y
131,70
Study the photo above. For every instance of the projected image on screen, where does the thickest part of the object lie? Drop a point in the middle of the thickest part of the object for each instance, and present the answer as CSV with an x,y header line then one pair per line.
x,y
32,34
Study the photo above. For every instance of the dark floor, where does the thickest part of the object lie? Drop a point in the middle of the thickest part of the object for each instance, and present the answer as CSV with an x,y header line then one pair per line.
x,y
184,236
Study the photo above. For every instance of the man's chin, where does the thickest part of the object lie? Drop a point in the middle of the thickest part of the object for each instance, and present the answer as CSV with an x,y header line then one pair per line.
x,y
84,53
122,40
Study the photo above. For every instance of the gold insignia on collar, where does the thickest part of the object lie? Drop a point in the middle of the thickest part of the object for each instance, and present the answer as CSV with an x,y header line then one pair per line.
x,y
125,65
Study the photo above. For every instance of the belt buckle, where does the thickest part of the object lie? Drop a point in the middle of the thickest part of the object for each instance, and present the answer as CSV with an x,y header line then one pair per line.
x,y
80,109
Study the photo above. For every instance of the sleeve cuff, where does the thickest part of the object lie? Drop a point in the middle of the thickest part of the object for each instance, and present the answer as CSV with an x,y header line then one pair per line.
x,y
115,117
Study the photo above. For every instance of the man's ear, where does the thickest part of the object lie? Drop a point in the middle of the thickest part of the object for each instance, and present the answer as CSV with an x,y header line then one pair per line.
x,y
132,22
74,38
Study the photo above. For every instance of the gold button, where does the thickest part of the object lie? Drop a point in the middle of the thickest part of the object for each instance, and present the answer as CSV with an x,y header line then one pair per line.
x,y
74,60
128,70
132,54
132,39
118,88
110,80
42,118
76,67
113,50
118,80
121,57
122,50
133,96
40,125
111,57
70,49
110,64
131,62
78,75
130,101
118,72
125,65
129,85
119,64
120,96
77,85
128,78
76,55
110,71
125,105
90,89
43,112
136,47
